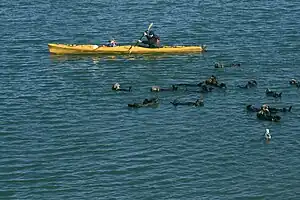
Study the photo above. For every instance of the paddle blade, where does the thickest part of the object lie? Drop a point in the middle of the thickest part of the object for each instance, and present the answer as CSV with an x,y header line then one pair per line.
x,y
150,26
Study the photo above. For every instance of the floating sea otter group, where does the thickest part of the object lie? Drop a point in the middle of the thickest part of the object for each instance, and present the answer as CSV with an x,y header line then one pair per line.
x,y
264,112
202,87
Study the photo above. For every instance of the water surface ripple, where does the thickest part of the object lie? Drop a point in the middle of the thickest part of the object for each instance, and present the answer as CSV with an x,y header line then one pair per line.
x,y
66,135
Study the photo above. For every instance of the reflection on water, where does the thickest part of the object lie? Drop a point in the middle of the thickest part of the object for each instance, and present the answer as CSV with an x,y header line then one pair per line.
x,y
105,57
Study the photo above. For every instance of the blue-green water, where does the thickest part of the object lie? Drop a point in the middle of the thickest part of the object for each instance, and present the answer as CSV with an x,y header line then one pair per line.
x,y
66,135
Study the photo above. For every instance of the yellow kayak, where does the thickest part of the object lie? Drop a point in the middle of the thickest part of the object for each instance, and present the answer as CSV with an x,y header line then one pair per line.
x,y
95,49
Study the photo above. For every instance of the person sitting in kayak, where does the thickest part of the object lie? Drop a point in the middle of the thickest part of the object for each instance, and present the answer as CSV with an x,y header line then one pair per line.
x,y
112,43
153,40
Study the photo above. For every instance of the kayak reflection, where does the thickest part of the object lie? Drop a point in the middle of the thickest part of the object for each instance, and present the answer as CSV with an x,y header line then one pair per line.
x,y
97,58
